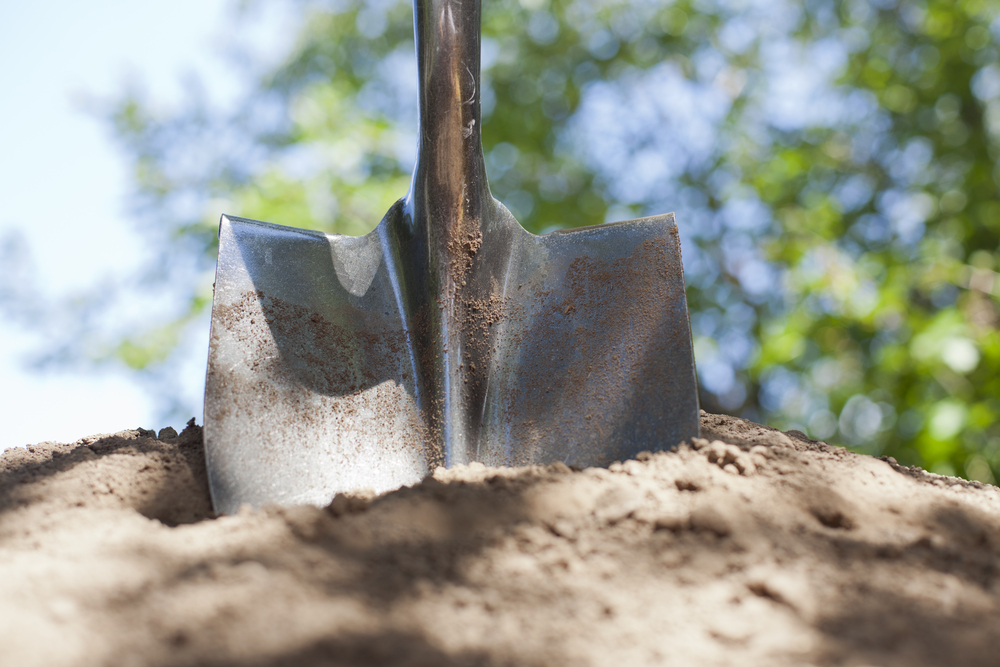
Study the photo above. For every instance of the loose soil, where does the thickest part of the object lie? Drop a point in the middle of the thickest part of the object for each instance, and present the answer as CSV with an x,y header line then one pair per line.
x,y
749,547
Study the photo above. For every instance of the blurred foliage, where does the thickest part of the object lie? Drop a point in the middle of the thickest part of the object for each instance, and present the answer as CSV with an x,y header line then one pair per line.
x,y
832,164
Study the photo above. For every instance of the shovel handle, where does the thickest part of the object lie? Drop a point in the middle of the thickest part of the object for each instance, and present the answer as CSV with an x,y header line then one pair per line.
x,y
450,167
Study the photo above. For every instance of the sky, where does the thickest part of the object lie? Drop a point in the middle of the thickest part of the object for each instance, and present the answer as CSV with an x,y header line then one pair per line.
x,y
64,184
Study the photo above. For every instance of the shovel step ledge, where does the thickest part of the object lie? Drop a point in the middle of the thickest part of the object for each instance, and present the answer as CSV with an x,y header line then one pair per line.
x,y
448,334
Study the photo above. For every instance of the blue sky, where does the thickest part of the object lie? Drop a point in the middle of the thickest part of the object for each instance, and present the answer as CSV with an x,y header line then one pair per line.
x,y
64,184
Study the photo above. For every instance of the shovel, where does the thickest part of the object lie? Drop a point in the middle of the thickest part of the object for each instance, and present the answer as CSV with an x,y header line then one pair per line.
x,y
448,334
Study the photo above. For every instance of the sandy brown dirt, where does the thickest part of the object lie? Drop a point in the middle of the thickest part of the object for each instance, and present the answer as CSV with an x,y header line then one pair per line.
x,y
769,550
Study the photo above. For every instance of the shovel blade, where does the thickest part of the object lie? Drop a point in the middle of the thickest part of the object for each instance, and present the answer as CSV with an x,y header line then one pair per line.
x,y
572,347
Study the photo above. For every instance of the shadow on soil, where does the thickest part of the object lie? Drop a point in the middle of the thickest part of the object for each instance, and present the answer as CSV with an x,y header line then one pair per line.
x,y
362,650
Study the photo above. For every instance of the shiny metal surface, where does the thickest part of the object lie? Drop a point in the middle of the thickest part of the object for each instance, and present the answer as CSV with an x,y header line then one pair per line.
x,y
449,334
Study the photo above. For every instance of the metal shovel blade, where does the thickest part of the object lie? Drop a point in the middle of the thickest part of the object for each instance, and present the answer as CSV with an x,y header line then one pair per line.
x,y
448,334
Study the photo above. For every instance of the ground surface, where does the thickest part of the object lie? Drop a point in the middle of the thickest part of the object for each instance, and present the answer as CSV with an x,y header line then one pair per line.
x,y
769,550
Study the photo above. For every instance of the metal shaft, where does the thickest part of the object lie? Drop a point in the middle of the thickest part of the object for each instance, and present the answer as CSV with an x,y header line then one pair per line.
x,y
441,227
449,178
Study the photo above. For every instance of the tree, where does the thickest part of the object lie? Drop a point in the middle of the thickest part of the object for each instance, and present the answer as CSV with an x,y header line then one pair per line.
x,y
831,162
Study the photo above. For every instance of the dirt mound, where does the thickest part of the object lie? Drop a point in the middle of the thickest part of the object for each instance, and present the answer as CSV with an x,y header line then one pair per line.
x,y
749,547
